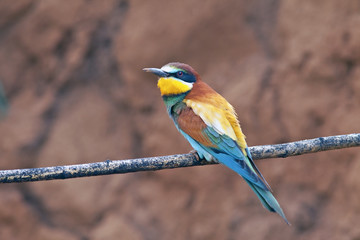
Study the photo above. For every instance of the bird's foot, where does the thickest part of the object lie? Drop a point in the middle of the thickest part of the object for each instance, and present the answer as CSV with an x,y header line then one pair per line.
x,y
195,153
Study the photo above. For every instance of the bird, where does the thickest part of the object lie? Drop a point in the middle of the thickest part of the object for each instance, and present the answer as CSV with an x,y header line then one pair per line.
x,y
210,124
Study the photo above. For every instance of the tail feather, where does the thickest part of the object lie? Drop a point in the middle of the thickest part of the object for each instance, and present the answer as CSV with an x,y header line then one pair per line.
x,y
267,200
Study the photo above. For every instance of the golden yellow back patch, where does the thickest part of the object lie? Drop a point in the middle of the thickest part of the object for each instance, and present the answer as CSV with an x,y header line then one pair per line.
x,y
172,86
217,113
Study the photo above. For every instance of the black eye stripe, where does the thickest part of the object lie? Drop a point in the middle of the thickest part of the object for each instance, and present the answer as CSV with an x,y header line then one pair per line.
x,y
185,76
175,74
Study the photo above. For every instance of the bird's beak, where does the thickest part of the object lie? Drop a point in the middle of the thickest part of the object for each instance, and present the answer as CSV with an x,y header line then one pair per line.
x,y
156,71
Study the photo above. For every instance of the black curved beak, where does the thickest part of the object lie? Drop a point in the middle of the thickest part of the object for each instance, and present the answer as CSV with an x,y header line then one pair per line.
x,y
156,71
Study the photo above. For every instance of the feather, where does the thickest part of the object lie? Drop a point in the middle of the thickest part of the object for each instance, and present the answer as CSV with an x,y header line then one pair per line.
x,y
220,146
210,105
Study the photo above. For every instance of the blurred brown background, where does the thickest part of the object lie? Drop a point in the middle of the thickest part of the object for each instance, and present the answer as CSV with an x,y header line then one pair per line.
x,y
72,74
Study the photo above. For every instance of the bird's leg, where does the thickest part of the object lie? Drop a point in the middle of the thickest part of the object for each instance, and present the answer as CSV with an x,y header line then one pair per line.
x,y
195,153
202,159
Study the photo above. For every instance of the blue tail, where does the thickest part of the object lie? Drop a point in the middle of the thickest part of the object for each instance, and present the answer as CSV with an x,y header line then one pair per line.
x,y
267,200
230,154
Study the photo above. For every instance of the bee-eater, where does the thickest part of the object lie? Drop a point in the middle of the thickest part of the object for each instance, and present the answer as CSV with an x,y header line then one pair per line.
x,y
210,125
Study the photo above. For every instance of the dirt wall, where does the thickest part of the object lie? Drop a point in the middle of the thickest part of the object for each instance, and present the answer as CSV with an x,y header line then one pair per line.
x,y
72,74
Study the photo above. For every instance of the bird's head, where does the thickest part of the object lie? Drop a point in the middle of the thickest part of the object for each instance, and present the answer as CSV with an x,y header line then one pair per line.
x,y
174,78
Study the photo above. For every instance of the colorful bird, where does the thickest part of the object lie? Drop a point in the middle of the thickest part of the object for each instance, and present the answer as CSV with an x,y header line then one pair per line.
x,y
210,125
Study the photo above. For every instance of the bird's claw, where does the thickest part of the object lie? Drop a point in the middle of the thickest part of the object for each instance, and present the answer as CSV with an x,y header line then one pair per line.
x,y
196,155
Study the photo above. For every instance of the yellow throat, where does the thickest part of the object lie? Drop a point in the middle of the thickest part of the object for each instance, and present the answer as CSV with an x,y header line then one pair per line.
x,y
173,86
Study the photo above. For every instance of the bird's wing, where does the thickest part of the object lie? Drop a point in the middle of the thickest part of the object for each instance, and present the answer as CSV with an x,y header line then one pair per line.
x,y
213,132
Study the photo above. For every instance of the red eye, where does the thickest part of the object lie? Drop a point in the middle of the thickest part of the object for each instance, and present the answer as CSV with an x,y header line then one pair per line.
x,y
179,74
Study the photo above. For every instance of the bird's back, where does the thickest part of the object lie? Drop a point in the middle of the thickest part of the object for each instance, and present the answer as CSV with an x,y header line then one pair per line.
x,y
215,110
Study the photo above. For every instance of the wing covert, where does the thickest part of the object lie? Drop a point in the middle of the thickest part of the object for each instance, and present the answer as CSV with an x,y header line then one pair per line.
x,y
220,146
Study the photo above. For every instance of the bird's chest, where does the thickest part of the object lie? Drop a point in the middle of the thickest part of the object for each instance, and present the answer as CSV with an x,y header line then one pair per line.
x,y
174,104
176,110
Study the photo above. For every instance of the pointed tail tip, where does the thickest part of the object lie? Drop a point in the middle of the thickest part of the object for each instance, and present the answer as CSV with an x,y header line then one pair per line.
x,y
287,222
275,207
268,200
282,215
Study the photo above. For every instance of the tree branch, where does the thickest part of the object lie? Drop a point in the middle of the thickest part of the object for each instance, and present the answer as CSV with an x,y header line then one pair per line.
x,y
174,161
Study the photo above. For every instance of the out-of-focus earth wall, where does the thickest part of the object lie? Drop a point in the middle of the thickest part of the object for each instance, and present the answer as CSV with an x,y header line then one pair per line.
x,y
72,73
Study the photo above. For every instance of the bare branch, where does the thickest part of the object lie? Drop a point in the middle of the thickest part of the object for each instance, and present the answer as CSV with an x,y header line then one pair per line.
x,y
174,161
